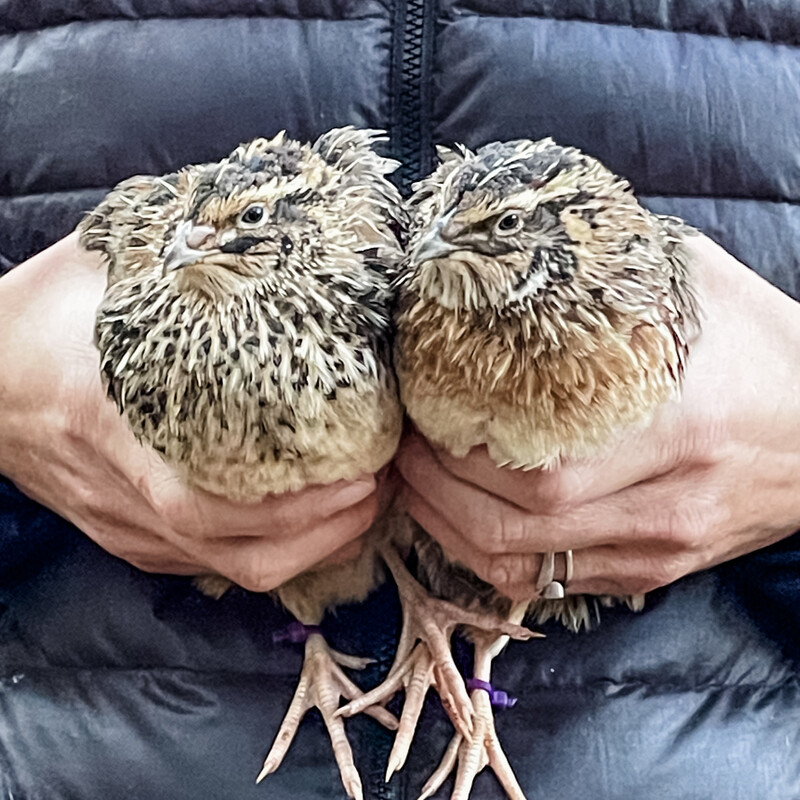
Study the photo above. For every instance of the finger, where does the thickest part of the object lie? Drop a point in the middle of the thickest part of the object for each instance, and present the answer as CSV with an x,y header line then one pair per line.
x,y
644,512
637,458
195,512
622,571
488,522
605,570
263,564
350,552
291,511
499,571
140,547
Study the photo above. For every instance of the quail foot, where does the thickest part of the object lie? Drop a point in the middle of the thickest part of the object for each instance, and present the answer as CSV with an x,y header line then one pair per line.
x,y
424,659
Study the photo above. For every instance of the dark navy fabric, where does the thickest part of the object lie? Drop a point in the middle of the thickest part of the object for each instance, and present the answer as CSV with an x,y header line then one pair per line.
x,y
91,93
706,125
119,684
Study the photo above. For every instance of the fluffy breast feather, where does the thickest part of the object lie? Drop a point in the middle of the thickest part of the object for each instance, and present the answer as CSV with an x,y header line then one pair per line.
x,y
468,379
249,398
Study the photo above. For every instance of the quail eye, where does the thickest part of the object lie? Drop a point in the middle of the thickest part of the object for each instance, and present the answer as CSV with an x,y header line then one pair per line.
x,y
509,223
252,215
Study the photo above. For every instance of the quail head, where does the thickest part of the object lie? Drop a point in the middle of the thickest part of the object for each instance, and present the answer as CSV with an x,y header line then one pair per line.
x,y
244,335
542,311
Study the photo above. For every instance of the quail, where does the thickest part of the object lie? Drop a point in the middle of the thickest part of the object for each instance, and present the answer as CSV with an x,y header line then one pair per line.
x,y
542,312
244,335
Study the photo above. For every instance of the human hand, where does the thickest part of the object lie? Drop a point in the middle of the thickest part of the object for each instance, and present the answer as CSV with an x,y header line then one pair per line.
x,y
65,445
716,474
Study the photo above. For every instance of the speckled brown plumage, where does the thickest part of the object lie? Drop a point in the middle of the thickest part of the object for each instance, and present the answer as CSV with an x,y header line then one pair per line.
x,y
542,313
545,351
545,343
245,330
262,370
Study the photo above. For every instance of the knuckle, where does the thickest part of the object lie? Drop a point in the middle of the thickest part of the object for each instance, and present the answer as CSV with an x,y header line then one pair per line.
x,y
179,515
494,542
661,572
165,502
557,491
85,495
254,580
72,423
495,538
178,511
704,441
507,571
484,567
657,572
686,527
497,572
505,531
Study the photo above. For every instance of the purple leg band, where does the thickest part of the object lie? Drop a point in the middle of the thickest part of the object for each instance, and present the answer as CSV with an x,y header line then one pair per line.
x,y
497,697
294,632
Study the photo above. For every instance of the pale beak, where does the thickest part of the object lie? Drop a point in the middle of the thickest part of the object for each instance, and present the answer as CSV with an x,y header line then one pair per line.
x,y
184,249
432,245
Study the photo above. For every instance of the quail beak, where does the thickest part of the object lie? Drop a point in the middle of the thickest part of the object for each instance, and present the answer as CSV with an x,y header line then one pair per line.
x,y
433,244
185,248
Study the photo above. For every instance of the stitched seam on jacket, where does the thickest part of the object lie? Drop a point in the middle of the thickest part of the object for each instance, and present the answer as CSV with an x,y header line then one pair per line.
x,y
163,18
615,24
462,15
21,672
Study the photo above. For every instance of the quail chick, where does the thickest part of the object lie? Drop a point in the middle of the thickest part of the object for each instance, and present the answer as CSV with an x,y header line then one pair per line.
x,y
542,311
244,335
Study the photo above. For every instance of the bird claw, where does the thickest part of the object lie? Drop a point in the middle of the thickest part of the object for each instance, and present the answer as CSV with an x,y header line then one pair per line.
x,y
428,625
322,683
469,757
424,660
416,675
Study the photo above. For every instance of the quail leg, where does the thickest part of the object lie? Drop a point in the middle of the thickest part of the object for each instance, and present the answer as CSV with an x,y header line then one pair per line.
x,y
322,683
424,659
470,756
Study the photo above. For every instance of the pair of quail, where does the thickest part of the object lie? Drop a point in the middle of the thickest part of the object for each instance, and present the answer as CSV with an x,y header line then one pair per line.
x,y
262,313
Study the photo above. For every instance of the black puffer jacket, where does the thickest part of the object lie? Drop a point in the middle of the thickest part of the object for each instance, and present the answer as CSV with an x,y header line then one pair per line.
x,y
117,684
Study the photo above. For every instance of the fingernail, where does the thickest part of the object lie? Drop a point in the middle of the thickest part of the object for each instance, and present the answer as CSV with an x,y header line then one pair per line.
x,y
355,491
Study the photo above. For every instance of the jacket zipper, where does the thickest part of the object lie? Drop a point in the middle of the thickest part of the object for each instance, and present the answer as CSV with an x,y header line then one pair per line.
x,y
411,91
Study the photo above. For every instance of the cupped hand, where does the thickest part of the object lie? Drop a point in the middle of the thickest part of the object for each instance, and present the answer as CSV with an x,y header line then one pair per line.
x,y
64,444
716,474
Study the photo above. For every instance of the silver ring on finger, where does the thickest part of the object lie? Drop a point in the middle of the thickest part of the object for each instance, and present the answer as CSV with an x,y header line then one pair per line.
x,y
546,584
